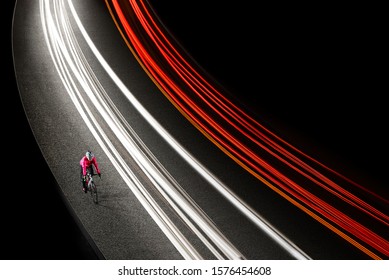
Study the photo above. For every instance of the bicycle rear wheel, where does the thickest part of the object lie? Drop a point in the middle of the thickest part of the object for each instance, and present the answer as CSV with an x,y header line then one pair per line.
x,y
93,192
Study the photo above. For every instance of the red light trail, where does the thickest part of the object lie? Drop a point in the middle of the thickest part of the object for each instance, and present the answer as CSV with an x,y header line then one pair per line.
x,y
303,181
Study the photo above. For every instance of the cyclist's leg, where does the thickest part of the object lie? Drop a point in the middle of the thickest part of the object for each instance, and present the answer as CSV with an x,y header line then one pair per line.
x,y
83,183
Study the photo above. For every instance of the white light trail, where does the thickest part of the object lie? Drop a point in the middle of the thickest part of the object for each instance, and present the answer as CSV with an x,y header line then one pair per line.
x,y
62,60
250,213
70,61
202,170
72,68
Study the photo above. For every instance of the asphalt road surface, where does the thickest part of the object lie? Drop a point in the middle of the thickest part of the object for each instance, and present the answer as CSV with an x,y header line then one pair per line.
x,y
121,226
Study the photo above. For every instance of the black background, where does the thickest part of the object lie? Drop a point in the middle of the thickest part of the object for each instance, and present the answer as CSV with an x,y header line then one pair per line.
x,y
311,72
35,222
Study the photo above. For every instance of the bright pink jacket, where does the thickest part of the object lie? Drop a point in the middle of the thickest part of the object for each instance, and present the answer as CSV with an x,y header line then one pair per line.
x,y
85,163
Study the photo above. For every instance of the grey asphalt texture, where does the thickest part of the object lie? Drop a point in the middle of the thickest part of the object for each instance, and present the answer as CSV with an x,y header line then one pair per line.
x,y
119,227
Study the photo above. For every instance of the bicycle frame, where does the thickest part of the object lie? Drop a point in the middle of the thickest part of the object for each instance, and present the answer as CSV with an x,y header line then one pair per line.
x,y
89,179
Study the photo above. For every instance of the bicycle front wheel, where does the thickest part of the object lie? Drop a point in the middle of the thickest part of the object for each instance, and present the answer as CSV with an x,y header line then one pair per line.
x,y
93,193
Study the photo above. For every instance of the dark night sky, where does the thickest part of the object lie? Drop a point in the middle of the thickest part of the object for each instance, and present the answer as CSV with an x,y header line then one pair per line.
x,y
309,72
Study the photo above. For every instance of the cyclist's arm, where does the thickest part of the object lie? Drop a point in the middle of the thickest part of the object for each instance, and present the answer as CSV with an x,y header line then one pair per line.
x,y
94,161
83,164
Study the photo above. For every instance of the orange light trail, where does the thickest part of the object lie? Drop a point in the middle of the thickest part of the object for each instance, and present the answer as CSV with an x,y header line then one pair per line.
x,y
293,174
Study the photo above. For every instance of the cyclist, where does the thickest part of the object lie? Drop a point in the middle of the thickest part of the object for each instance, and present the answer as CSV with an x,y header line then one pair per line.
x,y
87,162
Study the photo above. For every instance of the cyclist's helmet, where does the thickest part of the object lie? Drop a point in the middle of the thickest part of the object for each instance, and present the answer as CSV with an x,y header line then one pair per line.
x,y
89,155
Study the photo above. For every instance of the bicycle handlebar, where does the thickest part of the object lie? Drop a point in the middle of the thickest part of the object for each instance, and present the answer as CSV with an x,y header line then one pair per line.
x,y
94,174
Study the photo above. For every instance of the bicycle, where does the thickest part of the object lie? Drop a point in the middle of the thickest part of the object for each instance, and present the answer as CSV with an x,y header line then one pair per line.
x,y
91,186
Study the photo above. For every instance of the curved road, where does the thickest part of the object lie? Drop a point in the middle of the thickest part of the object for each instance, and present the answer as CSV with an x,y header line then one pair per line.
x,y
153,203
